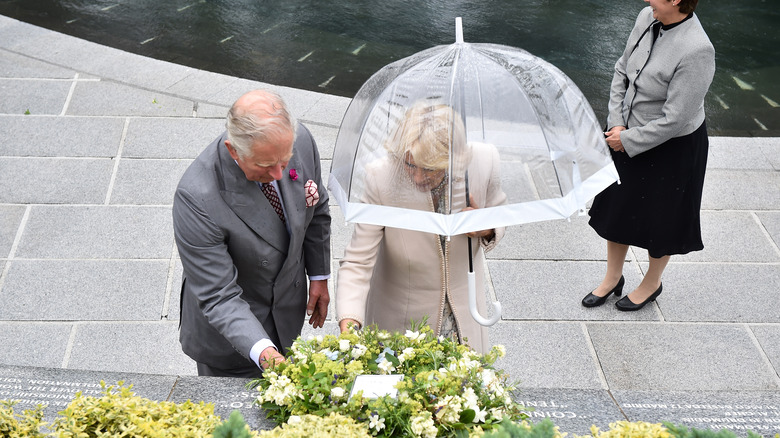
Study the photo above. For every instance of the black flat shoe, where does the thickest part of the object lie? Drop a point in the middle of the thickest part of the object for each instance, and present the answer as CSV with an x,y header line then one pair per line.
x,y
591,300
626,305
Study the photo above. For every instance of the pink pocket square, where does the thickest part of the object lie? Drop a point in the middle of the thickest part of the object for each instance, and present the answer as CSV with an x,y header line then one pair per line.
x,y
312,195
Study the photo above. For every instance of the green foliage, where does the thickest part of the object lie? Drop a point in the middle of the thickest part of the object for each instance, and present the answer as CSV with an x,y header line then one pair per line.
x,y
313,426
234,427
511,429
122,413
446,388
27,425
678,431
27,113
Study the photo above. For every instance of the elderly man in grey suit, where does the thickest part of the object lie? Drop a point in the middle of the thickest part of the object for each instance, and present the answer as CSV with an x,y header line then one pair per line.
x,y
249,228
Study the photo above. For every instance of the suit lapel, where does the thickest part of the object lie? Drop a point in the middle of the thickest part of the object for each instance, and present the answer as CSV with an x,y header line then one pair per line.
x,y
247,200
293,197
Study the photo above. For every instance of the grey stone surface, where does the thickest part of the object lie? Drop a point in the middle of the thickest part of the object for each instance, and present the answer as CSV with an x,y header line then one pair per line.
x,y
572,410
147,182
562,240
721,292
170,137
34,136
57,180
56,388
680,357
173,311
13,65
327,109
741,190
106,98
736,411
206,110
340,231
113,346
20,96
40,344
10,219
771,223
550,290
729,236
88,232
227,395
768,337
546,354
325,136
738,153
84,290
200,85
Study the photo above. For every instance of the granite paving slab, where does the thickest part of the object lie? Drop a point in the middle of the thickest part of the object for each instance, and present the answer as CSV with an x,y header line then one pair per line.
x,y
40,343
723,292
546,354
170,137
94,232
200,85
146,72
10,219
172,311
551,240
84,290
737,153
340,231
125,346
107,98
771,223
14,65
553,290
681,357
147,182
227,394
325,136
211,111
44,136
57,180
741,190
739,412
327,109
37,97
573,410
768,337
729,236
56,388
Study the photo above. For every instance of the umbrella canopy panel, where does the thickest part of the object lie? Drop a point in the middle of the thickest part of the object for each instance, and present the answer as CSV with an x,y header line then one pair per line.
x,y
552,153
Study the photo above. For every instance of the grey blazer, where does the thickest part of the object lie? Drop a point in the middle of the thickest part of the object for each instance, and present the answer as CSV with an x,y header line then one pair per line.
x,y
663,96
244,275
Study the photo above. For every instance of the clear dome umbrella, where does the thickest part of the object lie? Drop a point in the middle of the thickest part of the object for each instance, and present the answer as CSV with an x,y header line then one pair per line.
x,y
503,100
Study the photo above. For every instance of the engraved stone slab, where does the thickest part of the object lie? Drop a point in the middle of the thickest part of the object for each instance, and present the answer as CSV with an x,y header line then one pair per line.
x,y
572,410
739,412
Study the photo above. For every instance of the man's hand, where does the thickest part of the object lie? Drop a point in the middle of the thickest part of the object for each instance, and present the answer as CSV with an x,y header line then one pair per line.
x,y
270,357
317,308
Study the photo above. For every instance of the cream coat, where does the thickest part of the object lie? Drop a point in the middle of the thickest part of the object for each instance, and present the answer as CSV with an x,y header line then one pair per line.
x,y
390,276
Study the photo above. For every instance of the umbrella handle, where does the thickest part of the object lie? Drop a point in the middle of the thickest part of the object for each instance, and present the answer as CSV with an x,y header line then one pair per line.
x,y
487,322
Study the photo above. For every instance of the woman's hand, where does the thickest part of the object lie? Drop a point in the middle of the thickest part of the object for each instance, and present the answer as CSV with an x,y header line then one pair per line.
x,y
486,234
613,138
346,322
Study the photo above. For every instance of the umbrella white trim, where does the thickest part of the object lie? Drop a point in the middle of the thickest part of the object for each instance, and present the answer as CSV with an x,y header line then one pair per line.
x,y
474,220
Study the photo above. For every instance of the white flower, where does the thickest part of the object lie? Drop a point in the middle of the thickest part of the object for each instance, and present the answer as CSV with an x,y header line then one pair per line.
x,y
377,422
424,426
358,350
448,410
319,338
407,354
387,366
415,336
500,349
294,419
383,335
337,392
344,344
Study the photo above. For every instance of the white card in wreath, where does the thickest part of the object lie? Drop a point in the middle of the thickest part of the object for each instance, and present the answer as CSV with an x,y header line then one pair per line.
x,y
374,386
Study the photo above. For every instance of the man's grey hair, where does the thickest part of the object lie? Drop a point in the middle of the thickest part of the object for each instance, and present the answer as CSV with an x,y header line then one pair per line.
x,y
245,126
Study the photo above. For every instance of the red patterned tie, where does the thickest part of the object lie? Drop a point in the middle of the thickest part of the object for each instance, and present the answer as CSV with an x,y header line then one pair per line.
x,y
273,198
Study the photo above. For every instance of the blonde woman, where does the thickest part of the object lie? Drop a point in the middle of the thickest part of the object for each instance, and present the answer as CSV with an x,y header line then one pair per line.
x,y
391,276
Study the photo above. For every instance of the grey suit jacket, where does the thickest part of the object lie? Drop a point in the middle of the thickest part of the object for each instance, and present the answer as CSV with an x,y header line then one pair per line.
x,y
667,82
244,275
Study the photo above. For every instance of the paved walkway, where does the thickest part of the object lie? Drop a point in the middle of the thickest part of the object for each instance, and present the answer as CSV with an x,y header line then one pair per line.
x,y
93,141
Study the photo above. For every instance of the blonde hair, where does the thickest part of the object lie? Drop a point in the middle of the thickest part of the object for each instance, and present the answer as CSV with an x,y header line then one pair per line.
x,y
429,132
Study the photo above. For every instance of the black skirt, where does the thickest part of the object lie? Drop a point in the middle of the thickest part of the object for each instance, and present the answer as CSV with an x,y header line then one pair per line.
x,y
657,204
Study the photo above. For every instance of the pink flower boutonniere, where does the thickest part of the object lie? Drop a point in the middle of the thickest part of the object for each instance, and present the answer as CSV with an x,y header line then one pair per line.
x,y
312,195
293,175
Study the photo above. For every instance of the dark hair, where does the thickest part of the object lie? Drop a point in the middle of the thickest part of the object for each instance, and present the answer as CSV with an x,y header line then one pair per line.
x,y
687,6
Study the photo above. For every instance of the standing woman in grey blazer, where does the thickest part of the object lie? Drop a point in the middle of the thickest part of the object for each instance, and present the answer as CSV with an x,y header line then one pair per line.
x,y
658,140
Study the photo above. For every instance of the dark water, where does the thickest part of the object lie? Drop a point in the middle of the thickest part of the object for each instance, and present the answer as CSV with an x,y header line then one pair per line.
x,y
333,47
